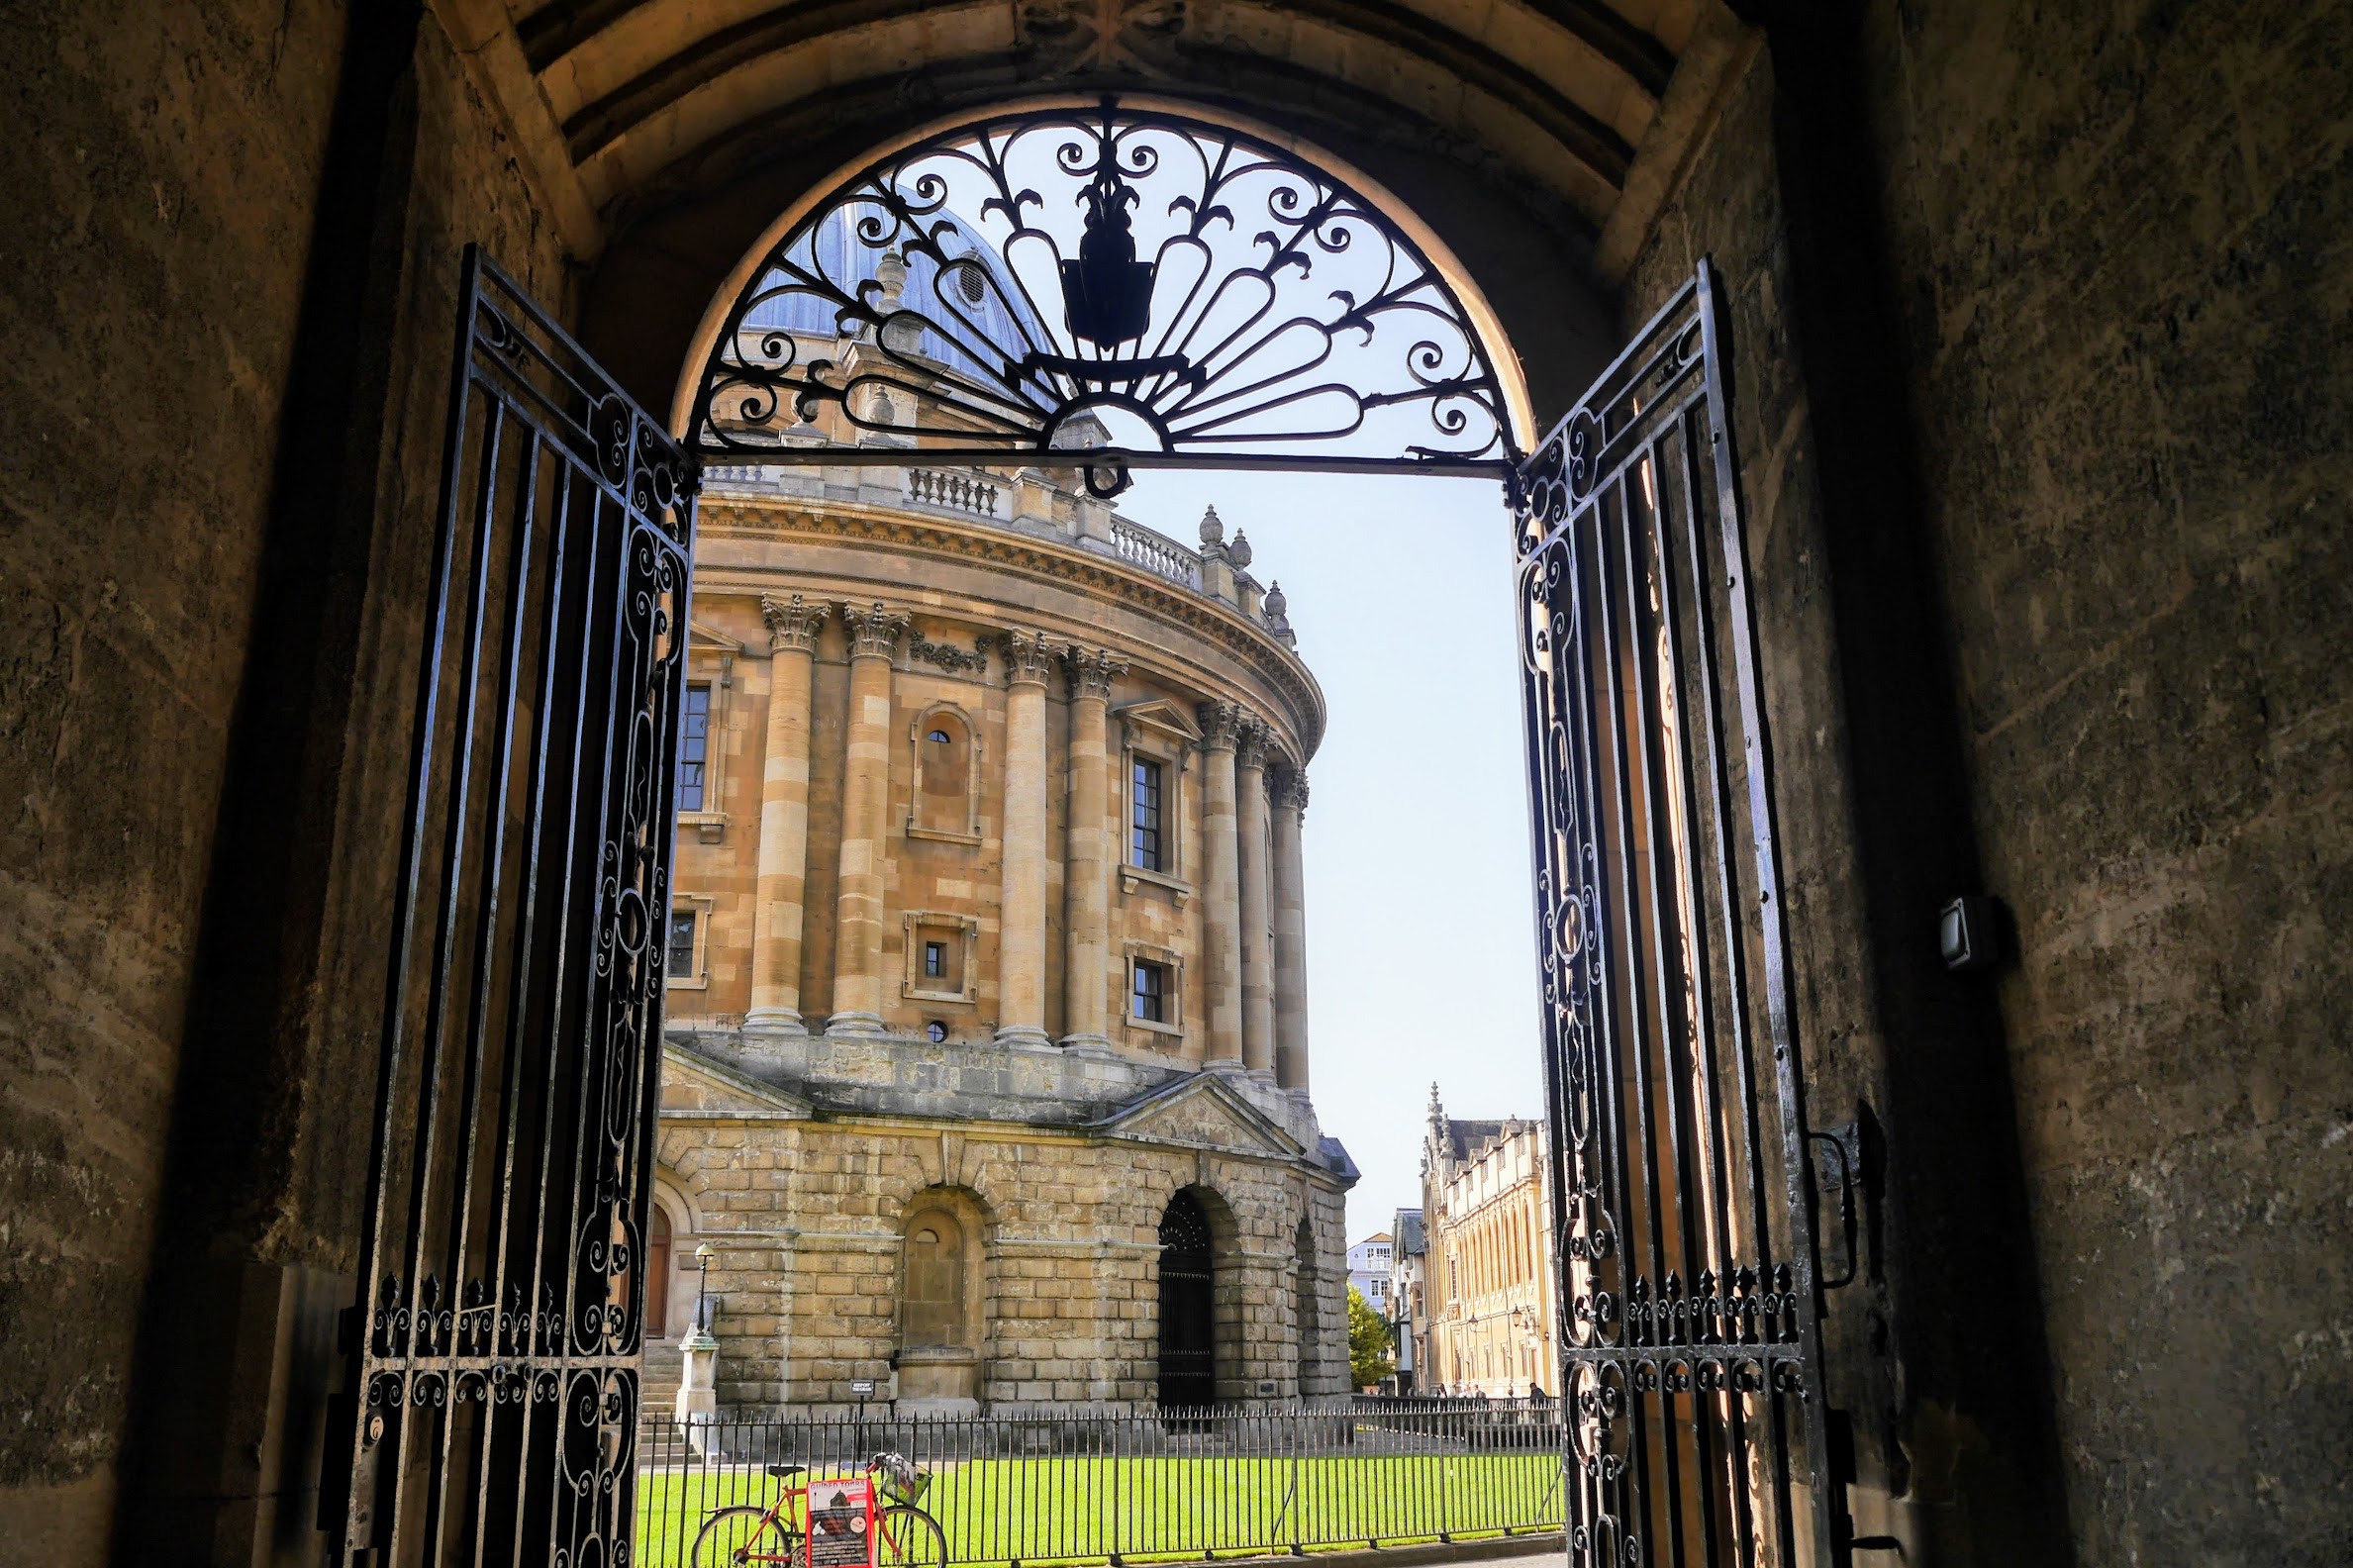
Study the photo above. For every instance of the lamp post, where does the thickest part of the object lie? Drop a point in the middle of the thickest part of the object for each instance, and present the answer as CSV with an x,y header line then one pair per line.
x,y
698,1389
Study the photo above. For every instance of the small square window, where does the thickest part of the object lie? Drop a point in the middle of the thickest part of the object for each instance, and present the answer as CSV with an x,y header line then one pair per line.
x,y
694,748
1149,995
935,960
682,945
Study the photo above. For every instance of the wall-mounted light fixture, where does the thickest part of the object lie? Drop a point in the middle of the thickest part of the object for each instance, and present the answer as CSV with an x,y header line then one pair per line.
x,y
1970,934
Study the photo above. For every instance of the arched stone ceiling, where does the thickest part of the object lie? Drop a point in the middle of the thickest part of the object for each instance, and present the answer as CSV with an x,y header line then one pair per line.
x,y
667,124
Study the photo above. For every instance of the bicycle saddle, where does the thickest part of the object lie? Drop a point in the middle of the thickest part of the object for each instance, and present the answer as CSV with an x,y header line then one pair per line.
x,y
782,1471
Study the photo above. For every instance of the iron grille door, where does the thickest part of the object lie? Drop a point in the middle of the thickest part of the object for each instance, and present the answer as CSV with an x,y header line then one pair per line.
x,y
493,1401
1688,1292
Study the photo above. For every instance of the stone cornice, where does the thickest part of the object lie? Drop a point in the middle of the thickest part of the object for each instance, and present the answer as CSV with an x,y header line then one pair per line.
x,y
792,622
1221,624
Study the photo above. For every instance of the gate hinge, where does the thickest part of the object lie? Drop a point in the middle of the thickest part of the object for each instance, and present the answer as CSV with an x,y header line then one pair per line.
x,y
1843,1180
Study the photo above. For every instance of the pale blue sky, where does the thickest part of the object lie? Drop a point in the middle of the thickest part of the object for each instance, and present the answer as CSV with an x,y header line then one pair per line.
x,y
1421,957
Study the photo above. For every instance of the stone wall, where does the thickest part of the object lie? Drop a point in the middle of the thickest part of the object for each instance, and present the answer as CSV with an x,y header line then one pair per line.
x,y
2050,580
2126,329
233,276
806,1215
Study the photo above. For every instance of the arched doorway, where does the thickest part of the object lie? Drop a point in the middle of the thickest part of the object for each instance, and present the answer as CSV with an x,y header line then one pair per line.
x,y
1632,613
1305,1317
1188,1305
658,1274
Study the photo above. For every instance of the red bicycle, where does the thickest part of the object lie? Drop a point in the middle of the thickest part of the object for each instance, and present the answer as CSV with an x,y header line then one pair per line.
x,y
777,1537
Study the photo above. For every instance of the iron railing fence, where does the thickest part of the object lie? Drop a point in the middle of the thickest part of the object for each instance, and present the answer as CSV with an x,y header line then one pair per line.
x,y
1096,1487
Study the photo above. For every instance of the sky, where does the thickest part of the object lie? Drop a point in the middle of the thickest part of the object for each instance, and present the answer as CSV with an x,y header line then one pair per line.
x,y
1421,953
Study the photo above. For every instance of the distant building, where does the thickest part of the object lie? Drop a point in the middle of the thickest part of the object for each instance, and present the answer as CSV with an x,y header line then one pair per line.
x,y
1407,1307
1490,1287
1368,1269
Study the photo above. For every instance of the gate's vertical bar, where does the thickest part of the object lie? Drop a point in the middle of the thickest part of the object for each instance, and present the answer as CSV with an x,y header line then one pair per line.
x,y
1766,849
360,1525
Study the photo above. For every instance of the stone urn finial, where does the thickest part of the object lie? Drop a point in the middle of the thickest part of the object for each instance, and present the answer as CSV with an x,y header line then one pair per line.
x,y
890,270
1277,604
1239,552
1213,532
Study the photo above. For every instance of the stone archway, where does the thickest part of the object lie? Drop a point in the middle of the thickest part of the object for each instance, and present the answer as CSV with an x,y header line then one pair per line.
x,y
1188,1304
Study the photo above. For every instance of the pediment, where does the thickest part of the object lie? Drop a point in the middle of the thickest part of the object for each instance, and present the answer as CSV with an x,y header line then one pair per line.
x,y
1158,713
696,1088
1200,1112
702,639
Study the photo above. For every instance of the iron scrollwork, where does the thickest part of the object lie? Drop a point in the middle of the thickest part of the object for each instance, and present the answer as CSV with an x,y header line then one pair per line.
x,y
1140,286
1683,1232
514,1149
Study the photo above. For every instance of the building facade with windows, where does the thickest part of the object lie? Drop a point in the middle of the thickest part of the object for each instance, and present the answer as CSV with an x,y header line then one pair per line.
x,y
1369,1263
1490,1325
986,1066
1408,1290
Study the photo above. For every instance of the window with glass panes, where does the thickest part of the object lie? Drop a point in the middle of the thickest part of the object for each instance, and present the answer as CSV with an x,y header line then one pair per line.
x,y
1145,836
1150,988
694,747
682,945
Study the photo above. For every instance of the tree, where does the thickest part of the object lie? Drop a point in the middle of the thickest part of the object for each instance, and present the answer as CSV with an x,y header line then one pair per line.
x,y
1368,1342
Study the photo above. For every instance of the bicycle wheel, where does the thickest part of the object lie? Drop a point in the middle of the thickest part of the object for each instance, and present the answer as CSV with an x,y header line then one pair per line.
x,y
743,1537
908,1537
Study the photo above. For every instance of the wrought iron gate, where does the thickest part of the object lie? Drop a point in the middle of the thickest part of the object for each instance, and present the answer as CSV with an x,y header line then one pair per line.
x,y
1683,1232
491,1400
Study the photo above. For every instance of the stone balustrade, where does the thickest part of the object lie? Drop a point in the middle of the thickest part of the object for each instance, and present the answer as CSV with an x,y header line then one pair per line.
x,y
1155,552
957,492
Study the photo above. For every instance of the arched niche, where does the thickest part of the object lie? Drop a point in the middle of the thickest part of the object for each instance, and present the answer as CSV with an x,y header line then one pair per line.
x,y
943,801
1307,1315
940,1299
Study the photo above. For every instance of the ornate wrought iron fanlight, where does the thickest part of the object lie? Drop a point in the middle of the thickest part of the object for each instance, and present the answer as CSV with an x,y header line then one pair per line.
x,y
1142,287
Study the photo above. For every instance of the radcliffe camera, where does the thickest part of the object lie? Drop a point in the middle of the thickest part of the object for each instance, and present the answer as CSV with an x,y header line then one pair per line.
x,y
1102,783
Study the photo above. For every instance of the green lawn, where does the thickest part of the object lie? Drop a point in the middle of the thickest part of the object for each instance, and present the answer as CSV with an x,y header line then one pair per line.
x,y
1062,1509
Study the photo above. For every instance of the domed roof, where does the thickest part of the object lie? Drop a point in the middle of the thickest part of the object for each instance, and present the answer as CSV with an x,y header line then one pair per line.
x,y
975,296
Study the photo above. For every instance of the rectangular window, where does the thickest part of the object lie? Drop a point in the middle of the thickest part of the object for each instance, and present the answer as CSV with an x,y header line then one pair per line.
x,y
935,960
682,945
1144,837
1149,998
694,748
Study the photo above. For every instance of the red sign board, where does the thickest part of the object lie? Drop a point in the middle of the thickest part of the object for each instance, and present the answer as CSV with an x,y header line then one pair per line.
x,y
841,1524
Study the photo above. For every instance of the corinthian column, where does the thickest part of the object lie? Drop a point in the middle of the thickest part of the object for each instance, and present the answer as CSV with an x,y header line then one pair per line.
x,y
1086,870
1221,888
783,876
1021,940
1257,956
1291,934
875,634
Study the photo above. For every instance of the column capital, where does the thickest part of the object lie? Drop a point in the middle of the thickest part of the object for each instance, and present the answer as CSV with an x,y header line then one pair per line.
x,y
1222,725
1249,743
1289,786
1091,675
792,622
1028,659
874,632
